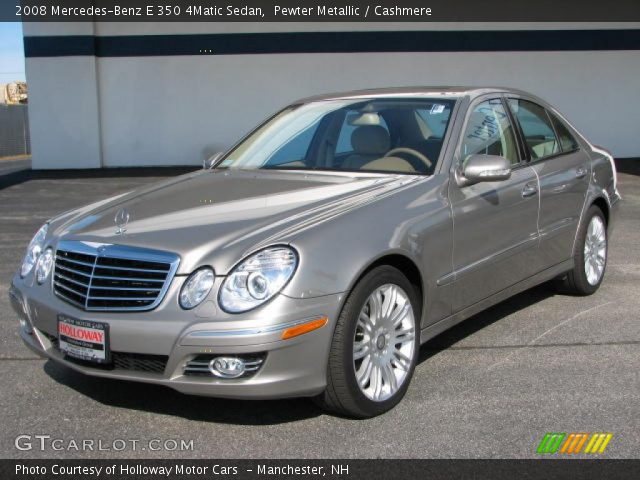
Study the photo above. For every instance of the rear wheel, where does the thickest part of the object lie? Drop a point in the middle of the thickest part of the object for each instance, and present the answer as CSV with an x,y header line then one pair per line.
x,y
374,347
590,256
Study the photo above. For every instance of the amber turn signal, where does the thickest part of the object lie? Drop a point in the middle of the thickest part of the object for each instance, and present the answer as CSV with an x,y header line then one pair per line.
x,y
304,328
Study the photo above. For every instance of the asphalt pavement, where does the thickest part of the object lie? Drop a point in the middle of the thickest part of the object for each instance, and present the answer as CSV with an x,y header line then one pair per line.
x,y
489,388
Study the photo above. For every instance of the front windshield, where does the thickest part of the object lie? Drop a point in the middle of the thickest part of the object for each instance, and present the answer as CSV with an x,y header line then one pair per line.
x,y
374,135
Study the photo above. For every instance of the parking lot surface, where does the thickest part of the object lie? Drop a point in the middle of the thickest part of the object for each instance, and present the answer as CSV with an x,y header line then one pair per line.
x,y
489,388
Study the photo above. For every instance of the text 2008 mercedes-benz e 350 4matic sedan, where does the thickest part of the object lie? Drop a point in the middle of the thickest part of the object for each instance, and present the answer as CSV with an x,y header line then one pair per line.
x,y
315,256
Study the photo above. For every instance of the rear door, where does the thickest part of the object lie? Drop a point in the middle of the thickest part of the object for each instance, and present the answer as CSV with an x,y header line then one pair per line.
x,y
495,223
562,169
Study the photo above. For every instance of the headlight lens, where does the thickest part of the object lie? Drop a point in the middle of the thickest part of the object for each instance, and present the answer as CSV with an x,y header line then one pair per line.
x,y
258,278
33,250
196,288
43,268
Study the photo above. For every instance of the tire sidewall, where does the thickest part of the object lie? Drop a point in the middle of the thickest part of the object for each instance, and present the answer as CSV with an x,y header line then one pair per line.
x,y
377,277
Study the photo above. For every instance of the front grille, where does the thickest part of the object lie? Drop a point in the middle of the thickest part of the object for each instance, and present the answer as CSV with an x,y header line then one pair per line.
x,y
112,277
139,362
127,361
120,360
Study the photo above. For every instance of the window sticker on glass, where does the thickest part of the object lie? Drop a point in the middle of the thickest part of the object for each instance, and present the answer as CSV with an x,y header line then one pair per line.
x,y
437,108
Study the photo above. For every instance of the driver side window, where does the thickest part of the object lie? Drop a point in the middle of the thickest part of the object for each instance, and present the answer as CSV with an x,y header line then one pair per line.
x,y
489,132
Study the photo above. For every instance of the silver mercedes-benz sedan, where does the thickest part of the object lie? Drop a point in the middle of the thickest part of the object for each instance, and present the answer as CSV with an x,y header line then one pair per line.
x,y
315,256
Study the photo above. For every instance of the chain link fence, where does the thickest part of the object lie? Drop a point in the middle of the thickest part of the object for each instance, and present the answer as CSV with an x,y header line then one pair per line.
x,y
14,131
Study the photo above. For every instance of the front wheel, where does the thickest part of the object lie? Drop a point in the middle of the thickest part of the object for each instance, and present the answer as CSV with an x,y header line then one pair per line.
x,y
375,346
590,256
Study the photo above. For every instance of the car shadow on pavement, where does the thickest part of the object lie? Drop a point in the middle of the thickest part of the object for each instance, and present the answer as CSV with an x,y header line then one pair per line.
x,y
165,401
483,319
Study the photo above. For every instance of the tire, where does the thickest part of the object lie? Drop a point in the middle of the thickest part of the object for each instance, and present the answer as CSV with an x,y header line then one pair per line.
x,y
343,394
582,280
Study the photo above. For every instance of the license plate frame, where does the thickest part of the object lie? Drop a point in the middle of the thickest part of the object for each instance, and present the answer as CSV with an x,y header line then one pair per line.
x,y
85,340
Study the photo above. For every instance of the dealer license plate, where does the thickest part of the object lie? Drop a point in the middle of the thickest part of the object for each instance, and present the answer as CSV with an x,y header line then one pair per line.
x,y
84,339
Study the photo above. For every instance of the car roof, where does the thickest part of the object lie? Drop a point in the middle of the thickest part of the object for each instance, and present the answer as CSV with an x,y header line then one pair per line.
x,y
409,92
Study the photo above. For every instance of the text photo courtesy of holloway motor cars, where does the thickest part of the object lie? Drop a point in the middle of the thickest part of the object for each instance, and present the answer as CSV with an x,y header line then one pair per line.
x,y
319,239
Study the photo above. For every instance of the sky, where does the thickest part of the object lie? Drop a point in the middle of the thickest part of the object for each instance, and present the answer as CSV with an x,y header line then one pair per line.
x,y
11,52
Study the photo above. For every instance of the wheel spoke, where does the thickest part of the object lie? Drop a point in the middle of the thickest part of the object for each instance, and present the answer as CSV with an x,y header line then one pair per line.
x,y
389,377
363,375
360,350
401,360
376,380
400,314
389,302
404,335
375,310
364,322
599,229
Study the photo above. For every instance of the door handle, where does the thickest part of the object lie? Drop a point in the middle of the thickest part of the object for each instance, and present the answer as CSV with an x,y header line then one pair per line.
x,y
581,172
529,190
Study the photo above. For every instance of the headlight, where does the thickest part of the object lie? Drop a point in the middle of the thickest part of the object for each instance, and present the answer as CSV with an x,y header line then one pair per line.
x,y
196,288
43,268
258,278
33,250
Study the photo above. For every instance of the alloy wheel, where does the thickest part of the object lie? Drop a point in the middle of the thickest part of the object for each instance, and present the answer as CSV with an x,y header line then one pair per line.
x,y
384,342
595,250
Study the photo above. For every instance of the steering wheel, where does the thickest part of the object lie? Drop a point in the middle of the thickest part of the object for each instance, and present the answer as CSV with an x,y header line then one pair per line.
x,y
410,151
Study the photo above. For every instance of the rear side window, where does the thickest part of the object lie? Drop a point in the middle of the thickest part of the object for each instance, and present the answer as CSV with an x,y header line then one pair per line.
x,y
567,141
536,127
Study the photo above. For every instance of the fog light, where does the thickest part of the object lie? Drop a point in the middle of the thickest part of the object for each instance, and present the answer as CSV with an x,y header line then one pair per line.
x,y
26,326
227,367
21,310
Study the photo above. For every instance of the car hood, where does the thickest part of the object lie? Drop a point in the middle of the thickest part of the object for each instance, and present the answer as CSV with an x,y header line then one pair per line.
x,y
216,217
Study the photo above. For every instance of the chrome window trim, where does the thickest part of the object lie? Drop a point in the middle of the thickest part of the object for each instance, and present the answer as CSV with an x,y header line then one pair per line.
x,y
110,250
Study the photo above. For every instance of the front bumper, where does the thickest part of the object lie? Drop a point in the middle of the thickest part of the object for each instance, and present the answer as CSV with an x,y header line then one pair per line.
x,y
294,367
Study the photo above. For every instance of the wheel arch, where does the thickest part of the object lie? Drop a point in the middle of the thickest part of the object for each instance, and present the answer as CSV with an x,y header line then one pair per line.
x,y
603,205
601,201
405,264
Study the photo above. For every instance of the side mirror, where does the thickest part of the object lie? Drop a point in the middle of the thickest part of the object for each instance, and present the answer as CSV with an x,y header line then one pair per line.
x,y
483,168
211,161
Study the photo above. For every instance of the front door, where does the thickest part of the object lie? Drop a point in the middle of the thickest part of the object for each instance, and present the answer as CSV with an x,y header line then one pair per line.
x,y
495,223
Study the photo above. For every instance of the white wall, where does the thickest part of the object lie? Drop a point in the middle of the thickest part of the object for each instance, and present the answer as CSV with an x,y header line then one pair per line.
x,y
63,104
176,110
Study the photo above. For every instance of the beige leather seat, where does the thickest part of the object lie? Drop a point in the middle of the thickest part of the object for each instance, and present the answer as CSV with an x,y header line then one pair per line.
x,y
389,164
544,149
369,142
